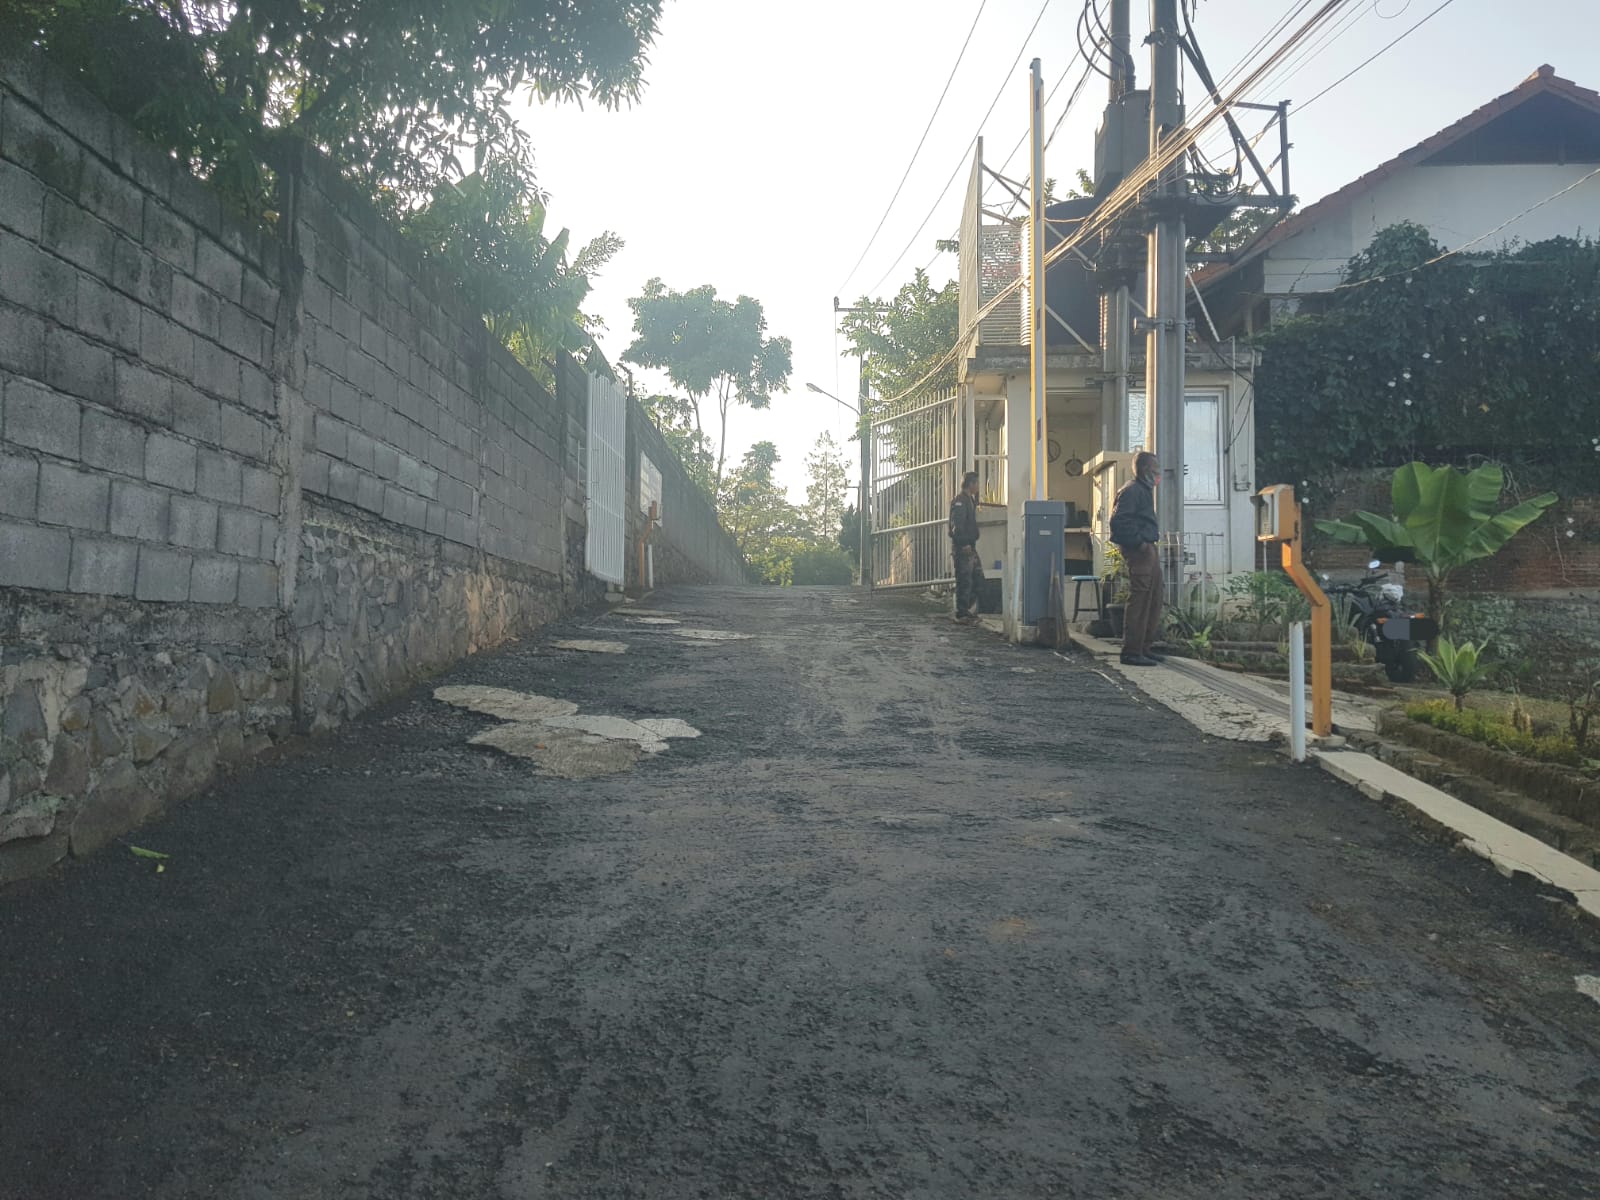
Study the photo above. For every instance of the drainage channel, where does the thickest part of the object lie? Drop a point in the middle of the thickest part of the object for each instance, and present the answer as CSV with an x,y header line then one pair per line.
x,y
1228,687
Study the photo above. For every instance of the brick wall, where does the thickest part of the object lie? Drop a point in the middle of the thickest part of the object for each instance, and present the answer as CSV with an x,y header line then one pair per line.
x,y
251,480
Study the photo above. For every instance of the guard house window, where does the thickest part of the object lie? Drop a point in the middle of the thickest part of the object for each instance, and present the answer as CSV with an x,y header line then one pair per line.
x,y
1202,443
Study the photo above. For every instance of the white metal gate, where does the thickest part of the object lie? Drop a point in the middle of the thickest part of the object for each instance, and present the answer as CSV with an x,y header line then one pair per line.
x,y
607,480
915,456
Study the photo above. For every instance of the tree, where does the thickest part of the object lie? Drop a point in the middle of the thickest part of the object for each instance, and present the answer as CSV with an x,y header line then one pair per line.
x,y
1443,519
827,482
903,338
395,92
757,514
709,347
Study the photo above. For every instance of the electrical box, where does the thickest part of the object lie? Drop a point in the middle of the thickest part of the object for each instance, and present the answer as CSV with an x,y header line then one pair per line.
x,y
1122,142
1044,531
1277,515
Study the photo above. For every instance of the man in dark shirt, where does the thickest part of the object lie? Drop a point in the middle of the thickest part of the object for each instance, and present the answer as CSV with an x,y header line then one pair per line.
x,y
1135,531
964,547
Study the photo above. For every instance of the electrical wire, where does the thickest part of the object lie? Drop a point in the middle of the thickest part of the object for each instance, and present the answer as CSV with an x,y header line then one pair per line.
x,y
949,79
1366,62
1021,50
1127,194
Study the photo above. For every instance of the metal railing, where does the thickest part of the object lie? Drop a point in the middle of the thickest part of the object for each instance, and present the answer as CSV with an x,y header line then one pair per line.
x,y
914,478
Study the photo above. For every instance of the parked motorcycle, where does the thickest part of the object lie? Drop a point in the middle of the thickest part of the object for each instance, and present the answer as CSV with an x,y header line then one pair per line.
x,y
1378,613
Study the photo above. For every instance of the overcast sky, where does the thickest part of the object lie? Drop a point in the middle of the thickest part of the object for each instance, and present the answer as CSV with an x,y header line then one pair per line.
x,y
771,136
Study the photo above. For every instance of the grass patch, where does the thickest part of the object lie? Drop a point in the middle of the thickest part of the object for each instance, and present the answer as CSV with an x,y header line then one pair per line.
x,y
1495,732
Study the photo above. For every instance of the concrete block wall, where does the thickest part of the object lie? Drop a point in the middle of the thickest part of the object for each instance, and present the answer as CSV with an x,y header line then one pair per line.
x,y
690,545
251,480
137,416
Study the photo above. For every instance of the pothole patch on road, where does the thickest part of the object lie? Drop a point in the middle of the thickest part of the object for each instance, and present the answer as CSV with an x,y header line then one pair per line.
x,y
1588,985
713,635
590,646
651,620
560,740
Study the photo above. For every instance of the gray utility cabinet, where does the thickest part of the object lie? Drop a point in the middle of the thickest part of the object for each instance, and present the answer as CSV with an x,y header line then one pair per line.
x,y
1044,529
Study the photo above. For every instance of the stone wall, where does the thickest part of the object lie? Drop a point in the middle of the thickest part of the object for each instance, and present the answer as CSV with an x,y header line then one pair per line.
x,y
251,480
689,545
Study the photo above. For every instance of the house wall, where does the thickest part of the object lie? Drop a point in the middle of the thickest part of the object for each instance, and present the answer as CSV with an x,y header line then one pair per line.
x,y
251,481
1457,204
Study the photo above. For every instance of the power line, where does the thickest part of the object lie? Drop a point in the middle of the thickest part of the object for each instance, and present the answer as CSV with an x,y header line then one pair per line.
x,y
1366,62
915,153
1021,50
1126,194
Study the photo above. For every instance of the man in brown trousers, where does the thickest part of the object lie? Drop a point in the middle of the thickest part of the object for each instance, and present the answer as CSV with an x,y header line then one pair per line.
x,y
1135,531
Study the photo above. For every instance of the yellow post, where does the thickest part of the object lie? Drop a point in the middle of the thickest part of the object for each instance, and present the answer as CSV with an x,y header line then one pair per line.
x,y
1280,521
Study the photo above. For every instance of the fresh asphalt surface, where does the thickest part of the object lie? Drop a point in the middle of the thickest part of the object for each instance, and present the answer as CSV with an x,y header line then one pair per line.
x,y
920,915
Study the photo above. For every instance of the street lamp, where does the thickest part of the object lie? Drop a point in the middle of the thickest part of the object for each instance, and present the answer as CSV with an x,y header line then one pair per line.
x,y
861,491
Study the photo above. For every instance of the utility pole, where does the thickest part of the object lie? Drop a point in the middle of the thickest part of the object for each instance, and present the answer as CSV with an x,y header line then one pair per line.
x,y
1166,327
1037,461
1116,306
864,502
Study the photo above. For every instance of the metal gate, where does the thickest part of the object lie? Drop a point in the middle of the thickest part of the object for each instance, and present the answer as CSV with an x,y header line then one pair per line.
x,y
915,456
607,480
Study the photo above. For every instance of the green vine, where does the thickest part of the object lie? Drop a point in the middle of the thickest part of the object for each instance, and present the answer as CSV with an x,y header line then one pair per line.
x,y
1475,357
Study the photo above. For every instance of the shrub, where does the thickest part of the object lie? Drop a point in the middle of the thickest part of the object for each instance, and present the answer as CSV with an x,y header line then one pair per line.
x,y
1460,668
1266,598
821,564
1495,732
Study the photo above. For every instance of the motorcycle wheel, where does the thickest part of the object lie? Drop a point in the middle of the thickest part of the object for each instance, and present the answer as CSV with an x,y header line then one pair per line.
x,y
1402,667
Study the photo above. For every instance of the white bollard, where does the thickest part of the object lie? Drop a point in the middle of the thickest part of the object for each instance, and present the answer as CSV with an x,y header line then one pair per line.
x,y
1297,691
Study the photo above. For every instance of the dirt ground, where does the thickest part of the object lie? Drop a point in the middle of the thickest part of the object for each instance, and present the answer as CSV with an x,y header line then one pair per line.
x,y
918,915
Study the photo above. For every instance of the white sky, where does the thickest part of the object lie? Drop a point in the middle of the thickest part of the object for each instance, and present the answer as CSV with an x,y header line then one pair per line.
x,y
771,136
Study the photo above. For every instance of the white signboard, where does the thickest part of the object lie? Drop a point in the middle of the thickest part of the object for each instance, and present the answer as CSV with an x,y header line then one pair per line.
x,y
649,487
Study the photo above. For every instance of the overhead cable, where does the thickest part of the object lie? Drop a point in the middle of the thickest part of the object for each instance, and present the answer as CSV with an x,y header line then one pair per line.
x,y
915,153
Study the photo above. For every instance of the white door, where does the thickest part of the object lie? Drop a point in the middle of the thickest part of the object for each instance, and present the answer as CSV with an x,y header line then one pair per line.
x,y
603,549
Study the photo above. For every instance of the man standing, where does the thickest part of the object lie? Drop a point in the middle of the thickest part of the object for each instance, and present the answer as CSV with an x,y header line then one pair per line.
x,y
1135,531
964,547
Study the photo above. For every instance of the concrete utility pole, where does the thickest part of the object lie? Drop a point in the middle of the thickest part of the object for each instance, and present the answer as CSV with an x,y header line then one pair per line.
x,y
1166,327
864,493
1038,463
1116,304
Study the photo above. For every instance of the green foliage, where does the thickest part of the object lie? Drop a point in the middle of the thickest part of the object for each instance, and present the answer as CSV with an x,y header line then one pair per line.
x,y
1495,732
902,338
849,536
821,565
709,347
394,92
1492,356
487,232
1458,667
1266,598
826,487
1443,519
1576,677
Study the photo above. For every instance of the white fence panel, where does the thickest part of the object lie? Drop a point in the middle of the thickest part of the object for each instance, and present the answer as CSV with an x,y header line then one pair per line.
x,y
608,485
914,455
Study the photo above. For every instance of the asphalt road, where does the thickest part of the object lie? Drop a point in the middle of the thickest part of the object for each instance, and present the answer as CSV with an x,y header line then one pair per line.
x,y
918,915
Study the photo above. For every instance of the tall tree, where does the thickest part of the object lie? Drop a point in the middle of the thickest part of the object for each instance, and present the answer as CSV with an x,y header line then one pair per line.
x,y
826,485
396,92
709,347
905,337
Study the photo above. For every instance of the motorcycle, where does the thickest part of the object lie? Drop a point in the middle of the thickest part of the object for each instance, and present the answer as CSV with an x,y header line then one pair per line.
x,y
1378,613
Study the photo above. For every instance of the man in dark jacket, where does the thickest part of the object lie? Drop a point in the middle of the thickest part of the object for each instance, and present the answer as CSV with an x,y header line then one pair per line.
x,y
1135,531
964,547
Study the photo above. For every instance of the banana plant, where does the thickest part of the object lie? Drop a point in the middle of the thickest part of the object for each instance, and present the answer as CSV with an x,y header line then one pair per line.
x,y
1443,519
1460,668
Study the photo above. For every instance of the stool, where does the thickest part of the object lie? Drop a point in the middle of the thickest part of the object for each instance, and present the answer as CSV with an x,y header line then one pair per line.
x,y
1077,594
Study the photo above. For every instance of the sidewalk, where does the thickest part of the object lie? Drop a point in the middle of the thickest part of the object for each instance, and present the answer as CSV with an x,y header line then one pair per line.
x,y
1244,708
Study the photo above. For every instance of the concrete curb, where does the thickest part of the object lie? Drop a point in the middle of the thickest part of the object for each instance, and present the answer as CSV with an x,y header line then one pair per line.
x,y
1511,851
1223,708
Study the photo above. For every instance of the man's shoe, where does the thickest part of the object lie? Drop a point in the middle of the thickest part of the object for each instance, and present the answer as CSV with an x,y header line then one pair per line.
x,y
1154,657
1138,660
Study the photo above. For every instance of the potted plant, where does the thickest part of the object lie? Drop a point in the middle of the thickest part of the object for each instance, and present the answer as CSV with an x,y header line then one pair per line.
x,y
1115,587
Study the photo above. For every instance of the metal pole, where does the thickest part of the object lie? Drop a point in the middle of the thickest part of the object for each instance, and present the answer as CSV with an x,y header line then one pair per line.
x,y
1164,362
1122,81
865,435
1037,463
1297,690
